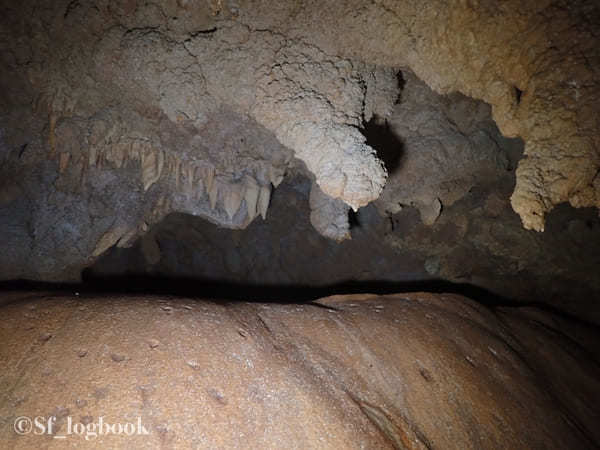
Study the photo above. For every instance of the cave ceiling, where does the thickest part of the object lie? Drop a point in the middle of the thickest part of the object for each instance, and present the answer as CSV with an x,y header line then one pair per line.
x,y
115,114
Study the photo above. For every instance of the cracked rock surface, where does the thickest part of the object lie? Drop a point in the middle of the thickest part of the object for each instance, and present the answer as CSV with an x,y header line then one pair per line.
x,y
114,115
535,62
443,216
324,375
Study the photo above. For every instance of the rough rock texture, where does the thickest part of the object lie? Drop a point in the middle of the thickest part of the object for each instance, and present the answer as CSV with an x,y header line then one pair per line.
x,y
436,148
115,114
284,250
535,62
329,216
142,87
476,243
136,63
410,371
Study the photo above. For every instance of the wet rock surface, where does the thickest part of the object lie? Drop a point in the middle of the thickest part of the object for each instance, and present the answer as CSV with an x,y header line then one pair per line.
x,y
402,371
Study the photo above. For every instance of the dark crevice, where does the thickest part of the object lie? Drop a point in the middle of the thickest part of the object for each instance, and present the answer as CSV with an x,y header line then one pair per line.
x,y
385,142
401,84
72,6
22,151
226,290
200,32
518,95
353,219
231,292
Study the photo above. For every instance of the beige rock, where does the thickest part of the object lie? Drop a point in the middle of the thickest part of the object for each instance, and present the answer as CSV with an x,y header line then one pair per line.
x,y
233,199
138,148
213,193
177,173
152,165
536,63
189,179
108,239
116,154
208,177
129,237
251,195
92,156
63,161
264,197
430,211
329,216
198,181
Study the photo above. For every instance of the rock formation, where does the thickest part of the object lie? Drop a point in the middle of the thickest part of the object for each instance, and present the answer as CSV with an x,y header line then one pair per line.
x,y
177,91
447,145
409,371
535,62
302,148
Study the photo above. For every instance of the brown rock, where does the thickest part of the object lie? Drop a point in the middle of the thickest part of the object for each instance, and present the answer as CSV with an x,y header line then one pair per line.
x,y
405,371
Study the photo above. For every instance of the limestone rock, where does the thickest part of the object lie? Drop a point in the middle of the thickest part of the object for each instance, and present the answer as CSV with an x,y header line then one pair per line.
x,y
103,98
264,197
536,63
108,239
233,200
152,165
430,213
440,148
251,196
329,216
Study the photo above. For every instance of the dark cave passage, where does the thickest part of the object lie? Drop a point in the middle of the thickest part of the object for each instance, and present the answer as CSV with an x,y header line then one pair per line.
x,y
387,144
284,257
227,291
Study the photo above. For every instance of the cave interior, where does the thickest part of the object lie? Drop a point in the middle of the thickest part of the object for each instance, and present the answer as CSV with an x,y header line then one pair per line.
x,y
248,224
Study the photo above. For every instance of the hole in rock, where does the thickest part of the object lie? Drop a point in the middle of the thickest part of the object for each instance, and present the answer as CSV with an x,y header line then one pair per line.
x,y
353,219
518,94
388,145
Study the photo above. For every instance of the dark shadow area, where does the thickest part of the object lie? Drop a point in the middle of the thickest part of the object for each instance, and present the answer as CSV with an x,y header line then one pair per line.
x,y
401,84
387,144
353,219
228,292
231,291
518,95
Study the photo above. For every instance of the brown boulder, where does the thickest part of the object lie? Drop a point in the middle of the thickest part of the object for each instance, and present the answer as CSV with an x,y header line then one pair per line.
x,y
363,371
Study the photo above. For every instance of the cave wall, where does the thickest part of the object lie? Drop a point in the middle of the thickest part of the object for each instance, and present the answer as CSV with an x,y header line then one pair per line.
x,y
168,115
443,216
535,62
114,115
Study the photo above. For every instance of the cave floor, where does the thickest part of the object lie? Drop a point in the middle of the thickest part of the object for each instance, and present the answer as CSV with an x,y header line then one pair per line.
x,y
412,370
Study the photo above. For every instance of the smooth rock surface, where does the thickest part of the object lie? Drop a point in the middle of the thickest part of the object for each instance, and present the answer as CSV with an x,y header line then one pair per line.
x,y
406,371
